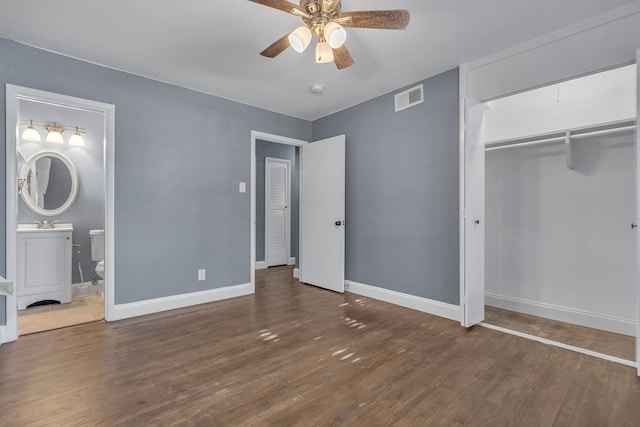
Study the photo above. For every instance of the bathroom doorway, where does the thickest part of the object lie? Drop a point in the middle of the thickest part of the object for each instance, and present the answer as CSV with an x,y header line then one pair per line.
x,y
59,211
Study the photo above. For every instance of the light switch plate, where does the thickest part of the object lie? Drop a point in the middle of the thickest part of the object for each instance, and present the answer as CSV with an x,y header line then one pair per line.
x,y
202,274
243,187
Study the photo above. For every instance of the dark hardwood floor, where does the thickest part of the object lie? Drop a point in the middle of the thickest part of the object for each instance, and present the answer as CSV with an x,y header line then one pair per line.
x,y
617,345
296,355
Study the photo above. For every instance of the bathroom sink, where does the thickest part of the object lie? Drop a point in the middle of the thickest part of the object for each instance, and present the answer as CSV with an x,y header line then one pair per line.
x,y
33,228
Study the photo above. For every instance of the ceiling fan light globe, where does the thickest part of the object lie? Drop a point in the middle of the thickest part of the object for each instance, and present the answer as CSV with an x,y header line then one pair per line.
x,y
335,34
324,53
300,38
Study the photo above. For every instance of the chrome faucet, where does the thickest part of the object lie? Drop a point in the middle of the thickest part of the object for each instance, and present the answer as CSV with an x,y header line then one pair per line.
x,y
46,224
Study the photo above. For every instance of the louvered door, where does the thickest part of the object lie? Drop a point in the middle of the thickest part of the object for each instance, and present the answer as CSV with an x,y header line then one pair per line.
x,y
277,180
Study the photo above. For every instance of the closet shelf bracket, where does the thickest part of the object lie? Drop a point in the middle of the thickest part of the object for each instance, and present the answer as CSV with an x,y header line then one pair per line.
x,y
568,144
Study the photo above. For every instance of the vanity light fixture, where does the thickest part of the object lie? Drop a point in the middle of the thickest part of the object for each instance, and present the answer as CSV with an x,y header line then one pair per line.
x,y
76,139
54,133
31,133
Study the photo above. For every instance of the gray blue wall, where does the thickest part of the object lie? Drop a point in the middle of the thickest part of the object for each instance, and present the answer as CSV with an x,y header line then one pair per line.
x,y
402,191
179,156
87,212
278,151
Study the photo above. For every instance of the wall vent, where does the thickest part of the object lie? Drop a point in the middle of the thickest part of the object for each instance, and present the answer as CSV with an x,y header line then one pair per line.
x,y
409,98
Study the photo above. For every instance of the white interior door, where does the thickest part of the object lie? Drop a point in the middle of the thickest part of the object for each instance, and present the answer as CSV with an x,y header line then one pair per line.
x,y
277,216
322,213
473,214
638,213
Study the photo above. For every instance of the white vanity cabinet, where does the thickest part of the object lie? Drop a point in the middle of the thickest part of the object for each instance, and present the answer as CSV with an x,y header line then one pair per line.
x,y
44,264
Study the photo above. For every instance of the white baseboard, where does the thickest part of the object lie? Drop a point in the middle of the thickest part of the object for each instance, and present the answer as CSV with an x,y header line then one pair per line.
x,y
563,314
140,308
546,341
437,308
261,265
296,273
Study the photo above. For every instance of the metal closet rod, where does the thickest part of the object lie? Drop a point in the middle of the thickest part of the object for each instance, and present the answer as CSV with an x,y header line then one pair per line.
x,y
561,136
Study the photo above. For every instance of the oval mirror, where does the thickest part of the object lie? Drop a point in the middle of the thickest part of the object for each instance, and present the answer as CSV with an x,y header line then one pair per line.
x,y
48,183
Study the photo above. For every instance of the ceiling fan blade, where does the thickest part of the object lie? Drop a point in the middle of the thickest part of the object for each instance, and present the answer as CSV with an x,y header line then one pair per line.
x,y
382,19
277,47
283,5
342,58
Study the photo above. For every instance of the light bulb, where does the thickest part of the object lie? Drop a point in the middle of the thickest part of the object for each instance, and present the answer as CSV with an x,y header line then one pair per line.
x,y
76,139
31,134
54,134
300,38
324,53
335,35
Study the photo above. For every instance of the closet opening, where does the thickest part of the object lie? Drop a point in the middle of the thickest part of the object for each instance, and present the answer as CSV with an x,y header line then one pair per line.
x,y
560,206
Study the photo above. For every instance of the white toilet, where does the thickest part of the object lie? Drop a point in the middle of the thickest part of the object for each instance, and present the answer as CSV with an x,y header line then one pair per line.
x,y
97,250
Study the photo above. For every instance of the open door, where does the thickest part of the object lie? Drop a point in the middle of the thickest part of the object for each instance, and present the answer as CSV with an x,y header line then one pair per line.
x,y
322,213
472,289
637,213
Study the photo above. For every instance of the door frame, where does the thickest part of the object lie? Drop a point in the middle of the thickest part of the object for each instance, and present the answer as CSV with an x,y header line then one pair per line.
x,y
257,135
267,212
13,95
637,212
493,70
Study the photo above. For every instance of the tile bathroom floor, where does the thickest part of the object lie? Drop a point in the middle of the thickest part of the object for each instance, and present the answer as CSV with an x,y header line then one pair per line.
x,y
84,309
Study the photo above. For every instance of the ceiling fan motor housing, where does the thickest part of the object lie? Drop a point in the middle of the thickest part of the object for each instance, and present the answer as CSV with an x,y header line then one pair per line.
x,y
317,19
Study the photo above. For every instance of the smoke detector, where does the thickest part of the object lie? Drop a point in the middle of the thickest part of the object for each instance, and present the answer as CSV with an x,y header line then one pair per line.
x,y
317,89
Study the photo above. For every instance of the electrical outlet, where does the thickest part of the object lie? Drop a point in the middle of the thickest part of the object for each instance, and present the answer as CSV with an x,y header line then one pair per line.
x,y
202,274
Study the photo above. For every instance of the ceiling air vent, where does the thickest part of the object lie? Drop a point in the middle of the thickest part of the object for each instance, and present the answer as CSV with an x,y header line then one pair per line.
x,y
409,98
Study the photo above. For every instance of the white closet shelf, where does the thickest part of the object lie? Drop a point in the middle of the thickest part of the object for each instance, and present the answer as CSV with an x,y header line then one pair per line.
x,y
565,136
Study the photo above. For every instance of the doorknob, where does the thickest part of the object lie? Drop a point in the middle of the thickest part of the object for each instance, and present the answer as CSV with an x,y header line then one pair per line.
x,y
338,223
477,221
634,225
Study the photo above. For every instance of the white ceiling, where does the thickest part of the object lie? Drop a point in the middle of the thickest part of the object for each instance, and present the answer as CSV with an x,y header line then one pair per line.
x,y
213,45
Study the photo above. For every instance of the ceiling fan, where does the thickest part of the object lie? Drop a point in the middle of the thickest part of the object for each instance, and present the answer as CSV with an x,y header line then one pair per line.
x,y
325,19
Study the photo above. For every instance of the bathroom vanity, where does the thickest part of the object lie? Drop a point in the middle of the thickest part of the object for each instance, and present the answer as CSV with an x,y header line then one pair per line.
x,y
44,264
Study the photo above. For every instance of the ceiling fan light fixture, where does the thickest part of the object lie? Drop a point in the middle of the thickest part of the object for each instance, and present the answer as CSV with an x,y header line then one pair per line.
x,y
300,38
324,53
334,34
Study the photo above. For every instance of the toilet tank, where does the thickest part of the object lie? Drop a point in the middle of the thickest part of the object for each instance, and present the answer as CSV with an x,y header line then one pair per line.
x,y
97,244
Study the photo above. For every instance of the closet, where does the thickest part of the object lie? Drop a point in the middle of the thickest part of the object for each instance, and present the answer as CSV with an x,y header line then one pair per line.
x,y
559,211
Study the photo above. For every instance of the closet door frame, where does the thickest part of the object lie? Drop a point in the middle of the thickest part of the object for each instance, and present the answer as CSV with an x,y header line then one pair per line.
x,y
549,59
637,236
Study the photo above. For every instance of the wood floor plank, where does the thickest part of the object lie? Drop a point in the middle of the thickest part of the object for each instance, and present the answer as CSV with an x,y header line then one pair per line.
x,y
296,355
610,343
